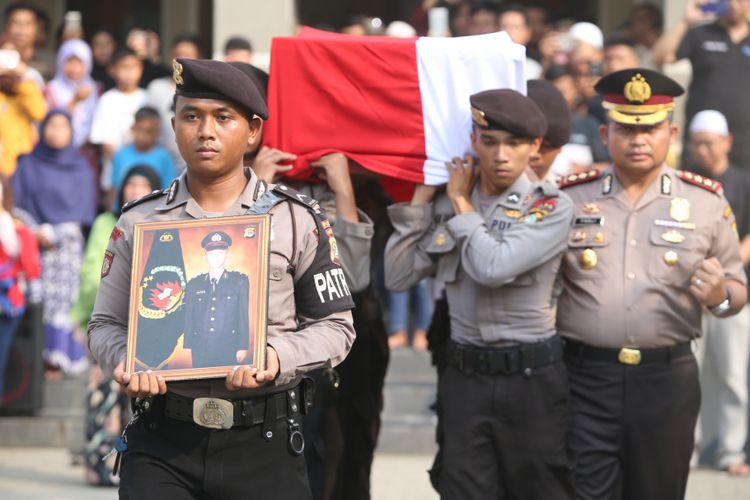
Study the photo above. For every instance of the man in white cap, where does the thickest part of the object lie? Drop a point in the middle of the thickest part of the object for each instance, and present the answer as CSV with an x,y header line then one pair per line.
x,y
723,350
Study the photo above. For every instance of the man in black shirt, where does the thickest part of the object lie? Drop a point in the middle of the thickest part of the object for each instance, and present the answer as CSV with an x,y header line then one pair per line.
x,y
723,350
719,53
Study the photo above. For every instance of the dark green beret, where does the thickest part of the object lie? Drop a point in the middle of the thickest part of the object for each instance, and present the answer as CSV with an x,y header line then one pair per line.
x,y
208,79
552,103
505,109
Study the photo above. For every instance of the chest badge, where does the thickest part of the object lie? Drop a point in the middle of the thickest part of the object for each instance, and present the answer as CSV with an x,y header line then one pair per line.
x,y
589,259
671,258
579,236
440,239
679,209
673,236
513,214
591,208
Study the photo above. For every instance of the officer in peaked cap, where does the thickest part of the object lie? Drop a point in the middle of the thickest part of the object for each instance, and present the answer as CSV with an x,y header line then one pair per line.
x,y
240,435
651,249
496,244
216,320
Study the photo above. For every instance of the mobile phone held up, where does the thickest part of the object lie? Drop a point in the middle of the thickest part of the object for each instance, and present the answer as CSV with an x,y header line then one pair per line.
x,y
716,7
9,59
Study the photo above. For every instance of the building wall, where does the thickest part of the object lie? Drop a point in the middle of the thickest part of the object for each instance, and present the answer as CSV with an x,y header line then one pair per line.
x,y
258,20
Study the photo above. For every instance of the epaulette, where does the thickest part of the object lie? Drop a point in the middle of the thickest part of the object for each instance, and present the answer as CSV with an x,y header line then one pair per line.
x,y
583,177
296,196
700,181
151,196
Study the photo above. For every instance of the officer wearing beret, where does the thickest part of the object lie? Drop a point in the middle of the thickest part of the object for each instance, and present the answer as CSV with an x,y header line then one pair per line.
x,y
172,451
556,111
496,240
216,320
650,250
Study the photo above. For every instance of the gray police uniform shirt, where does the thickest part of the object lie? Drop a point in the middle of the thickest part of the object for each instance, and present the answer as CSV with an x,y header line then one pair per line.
x,y
627,269
498,267
319,336
354,239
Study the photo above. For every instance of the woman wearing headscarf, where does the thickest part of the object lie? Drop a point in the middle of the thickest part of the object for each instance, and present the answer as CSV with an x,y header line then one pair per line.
x,y
55,196
73,89
106,404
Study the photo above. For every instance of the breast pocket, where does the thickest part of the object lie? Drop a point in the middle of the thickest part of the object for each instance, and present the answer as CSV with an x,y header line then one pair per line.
x,y
585,258
675,255
278,267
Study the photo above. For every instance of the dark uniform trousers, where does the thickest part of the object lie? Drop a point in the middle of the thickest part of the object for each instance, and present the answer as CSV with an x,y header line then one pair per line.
x,y
632,427
344,423
504,435
173,460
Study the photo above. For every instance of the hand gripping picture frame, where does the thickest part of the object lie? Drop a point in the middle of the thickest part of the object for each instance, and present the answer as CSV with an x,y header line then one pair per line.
x,y
199,296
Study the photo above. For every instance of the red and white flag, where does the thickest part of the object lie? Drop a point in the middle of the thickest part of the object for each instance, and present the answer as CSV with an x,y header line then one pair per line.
x,y
397,106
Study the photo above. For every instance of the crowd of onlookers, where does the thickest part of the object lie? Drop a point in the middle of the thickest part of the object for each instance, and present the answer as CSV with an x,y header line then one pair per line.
x,y
86,129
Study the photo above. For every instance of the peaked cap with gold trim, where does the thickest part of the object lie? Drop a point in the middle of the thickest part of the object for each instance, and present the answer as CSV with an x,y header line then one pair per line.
x,y
638,96
208,79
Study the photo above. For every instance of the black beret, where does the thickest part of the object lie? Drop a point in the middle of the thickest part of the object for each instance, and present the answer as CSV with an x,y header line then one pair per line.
x,y
257,75
506,109
217,240
555,109
208,79
638,96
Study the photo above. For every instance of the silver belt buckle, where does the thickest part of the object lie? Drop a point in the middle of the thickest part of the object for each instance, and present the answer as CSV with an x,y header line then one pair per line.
x,y
213,413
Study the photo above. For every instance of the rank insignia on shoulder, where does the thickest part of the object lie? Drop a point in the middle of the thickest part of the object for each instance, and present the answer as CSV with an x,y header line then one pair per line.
x,y
151,196
583,177
700,181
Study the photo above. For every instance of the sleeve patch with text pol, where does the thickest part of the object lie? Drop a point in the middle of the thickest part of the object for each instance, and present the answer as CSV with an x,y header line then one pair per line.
x,y
322,290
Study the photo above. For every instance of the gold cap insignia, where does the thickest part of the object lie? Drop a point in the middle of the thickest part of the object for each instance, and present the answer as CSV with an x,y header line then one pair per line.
x,y
671,258
637,89
589,259
177,72
479,117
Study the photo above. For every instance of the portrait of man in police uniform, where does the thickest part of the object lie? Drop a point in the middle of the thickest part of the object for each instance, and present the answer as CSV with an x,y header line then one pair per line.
x,y
216,317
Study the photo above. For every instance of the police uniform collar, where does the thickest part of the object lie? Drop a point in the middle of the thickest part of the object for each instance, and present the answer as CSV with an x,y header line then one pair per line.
x,y
177,194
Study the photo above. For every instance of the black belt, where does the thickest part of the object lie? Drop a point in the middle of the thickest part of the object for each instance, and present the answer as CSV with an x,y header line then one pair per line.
x,y
245,412
626,355
504,360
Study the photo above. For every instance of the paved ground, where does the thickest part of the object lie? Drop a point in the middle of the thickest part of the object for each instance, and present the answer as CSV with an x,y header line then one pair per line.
x,y
47,474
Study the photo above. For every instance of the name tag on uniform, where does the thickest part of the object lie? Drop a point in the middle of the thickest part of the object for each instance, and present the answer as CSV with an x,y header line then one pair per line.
x,y
592,220
674,224
715,46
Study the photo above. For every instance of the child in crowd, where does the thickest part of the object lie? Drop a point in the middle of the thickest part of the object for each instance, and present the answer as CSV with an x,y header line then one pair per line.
x,y
115,112
144,150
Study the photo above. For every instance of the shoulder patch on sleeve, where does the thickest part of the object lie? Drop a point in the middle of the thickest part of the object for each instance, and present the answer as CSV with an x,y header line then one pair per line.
x,y
700,181
151,196
582,178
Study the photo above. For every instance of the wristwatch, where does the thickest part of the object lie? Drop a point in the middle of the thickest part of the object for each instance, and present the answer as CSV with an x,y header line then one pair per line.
x,y
723,306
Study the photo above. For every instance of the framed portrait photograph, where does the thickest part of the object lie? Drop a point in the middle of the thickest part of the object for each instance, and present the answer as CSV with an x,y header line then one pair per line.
x,y
199,296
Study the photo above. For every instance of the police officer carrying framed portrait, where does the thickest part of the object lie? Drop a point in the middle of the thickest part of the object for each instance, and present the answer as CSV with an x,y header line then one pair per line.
x,y
650,250
238,436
